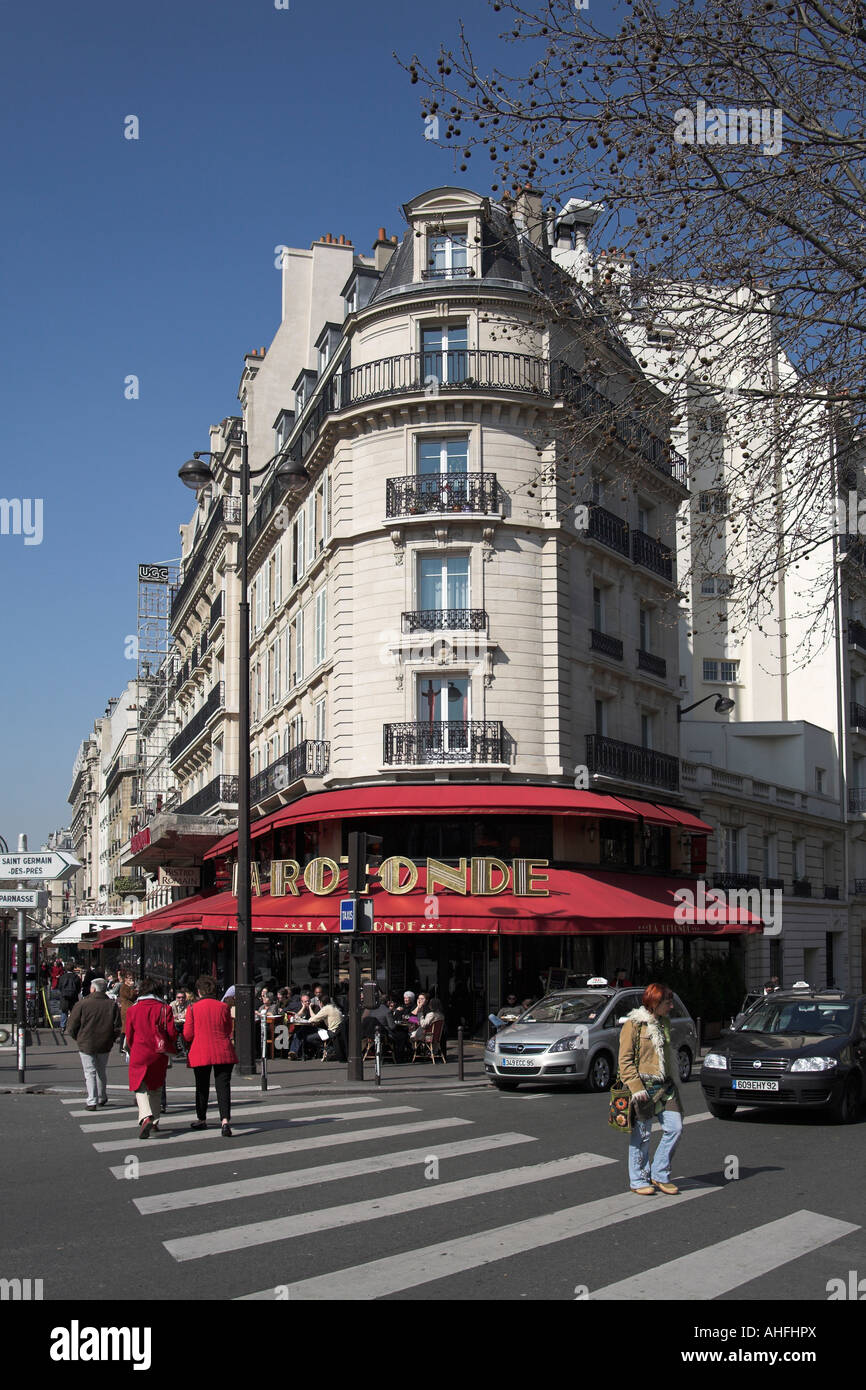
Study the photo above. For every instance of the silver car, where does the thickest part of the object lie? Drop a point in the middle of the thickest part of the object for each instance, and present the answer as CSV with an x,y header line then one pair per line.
x,y
574,1036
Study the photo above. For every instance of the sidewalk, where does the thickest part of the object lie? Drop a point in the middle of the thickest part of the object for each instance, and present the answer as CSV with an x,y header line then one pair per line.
x,y
54,1069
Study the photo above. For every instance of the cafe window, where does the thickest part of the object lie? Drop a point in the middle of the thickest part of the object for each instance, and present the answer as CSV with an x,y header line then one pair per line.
x,y
656,847
616,843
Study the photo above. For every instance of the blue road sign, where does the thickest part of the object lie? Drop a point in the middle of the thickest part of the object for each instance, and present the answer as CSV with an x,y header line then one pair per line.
x,y
347,914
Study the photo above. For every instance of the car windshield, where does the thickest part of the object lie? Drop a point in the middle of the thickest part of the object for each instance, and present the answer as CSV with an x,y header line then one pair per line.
x,y
566,1008
815,1016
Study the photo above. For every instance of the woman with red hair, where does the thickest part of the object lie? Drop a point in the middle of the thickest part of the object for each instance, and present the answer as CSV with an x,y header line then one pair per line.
x,y
647,1068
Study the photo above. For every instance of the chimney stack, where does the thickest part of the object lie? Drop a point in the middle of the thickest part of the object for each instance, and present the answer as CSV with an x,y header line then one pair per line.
x,y
383,249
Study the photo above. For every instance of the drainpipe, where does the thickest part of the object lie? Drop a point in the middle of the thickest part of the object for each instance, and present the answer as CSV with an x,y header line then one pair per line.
x,y
843,752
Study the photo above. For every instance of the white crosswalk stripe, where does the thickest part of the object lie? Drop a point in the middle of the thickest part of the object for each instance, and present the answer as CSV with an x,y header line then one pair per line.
x,y
334,1172
172,1090
213,1135
396,1273
240,1112
373,1209
295,1137
229,1153
719,1268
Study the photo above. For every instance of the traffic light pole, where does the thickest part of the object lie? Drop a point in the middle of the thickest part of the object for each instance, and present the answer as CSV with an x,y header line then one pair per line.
x,y
21,980
357,881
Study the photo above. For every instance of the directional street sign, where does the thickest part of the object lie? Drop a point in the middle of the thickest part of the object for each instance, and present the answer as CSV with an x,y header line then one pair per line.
x,y
24,898
52,864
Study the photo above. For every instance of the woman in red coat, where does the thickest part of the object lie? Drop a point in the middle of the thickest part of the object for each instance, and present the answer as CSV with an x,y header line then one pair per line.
x,y
151,1038
208,1030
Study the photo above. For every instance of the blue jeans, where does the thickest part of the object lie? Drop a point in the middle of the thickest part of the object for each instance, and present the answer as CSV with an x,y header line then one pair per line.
x,y
639,1172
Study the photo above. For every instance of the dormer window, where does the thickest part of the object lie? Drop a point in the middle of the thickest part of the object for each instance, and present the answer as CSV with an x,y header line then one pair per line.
x,y
352,299
283,428
447,257
327,343
304,387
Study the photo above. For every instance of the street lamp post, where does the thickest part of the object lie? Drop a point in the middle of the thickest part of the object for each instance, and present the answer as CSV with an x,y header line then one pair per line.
x,y
290,474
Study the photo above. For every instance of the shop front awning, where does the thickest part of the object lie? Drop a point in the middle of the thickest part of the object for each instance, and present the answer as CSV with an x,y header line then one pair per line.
x,y
578,903
86,930
463,800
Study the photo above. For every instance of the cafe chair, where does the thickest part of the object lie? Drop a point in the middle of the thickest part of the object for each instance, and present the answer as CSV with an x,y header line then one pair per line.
x,y
431,1042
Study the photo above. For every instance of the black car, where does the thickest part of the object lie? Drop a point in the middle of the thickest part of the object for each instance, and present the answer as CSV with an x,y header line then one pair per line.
x,y
795,1047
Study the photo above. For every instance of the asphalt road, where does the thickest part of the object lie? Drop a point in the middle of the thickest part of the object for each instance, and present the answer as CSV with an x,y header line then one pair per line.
x,y
473,1195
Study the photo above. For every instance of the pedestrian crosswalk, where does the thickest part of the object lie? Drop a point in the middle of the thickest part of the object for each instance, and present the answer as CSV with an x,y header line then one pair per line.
x,y
500,1198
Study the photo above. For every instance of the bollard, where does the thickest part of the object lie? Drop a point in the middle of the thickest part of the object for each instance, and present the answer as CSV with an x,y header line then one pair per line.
x,y
460,1076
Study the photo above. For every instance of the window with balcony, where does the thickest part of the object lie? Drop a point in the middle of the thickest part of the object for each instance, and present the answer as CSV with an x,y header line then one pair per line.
x,y
277,580
770,856
444,353
798,851
598,608
601,718
276,668
646,729
257,692
299,646
449,455
443,582
732,848
645,628
447,256
258,602
296,730
319,718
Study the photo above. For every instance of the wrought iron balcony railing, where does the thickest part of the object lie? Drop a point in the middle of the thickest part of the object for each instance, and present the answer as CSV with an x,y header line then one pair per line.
x,y
856,799
773,883
859,888
464,370
215,701
226,513
801,888
604,643
652,554
858,715
726,881
129,883
309,759
608,528
856,634
451,741
648,661
450,272
423,493
222,791
831,891
445,620
609,757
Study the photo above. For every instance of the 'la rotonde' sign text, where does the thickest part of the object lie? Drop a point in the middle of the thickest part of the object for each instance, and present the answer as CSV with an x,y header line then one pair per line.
x,y
477,877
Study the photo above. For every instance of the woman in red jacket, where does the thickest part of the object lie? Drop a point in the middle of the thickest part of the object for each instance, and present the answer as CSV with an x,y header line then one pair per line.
x,y
208,1030
151,1038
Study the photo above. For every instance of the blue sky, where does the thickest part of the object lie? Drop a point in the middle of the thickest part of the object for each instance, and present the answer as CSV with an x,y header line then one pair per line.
x,y
155,257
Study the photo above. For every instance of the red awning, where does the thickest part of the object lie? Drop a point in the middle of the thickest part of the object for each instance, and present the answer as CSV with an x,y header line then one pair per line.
x,y
578,903
460,800
112,934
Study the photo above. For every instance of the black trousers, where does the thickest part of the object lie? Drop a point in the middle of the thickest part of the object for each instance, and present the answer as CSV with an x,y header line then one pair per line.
x,y
222,1072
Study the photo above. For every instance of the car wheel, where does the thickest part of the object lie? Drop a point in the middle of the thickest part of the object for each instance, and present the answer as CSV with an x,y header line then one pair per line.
x,y
600,1072
684,1061
847,1107
506,1085
721,1112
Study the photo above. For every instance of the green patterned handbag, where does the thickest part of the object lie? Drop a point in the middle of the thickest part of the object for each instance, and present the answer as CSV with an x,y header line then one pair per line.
x,y
620,1112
